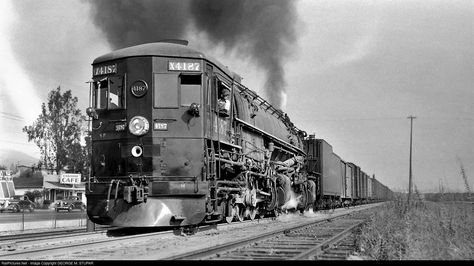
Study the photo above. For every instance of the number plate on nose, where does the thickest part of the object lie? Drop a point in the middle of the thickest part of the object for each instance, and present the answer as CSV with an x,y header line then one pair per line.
x,y
160,126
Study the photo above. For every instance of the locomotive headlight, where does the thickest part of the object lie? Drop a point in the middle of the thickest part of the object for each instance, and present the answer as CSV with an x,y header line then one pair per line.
x,y
138,126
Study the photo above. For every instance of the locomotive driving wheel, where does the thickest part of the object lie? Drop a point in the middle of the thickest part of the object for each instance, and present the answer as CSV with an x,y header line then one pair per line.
x,y
253,213
239,212
230,218
271,202
303,201
283,189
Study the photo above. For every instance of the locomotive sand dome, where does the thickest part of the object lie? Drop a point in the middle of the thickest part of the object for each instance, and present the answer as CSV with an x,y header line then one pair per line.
x,y
177,140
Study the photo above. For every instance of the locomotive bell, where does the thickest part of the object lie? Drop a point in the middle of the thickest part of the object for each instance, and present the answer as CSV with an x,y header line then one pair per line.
x,y
92,113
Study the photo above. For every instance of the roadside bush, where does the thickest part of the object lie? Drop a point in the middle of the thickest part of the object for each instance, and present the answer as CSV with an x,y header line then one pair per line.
x,y
46,204
421,231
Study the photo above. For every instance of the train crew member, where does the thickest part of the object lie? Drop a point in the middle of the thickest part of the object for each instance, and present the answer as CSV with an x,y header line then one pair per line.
x,y
224,101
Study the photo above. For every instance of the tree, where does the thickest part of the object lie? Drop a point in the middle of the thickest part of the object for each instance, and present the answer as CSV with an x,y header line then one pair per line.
x,y
35,194
58,131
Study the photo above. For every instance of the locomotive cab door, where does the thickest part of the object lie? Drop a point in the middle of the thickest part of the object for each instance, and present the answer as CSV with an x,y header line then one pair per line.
x,y
220,111
220,135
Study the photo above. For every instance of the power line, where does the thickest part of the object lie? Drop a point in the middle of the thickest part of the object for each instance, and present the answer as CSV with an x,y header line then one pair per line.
x,y
16,142
13,115
358,119
12,118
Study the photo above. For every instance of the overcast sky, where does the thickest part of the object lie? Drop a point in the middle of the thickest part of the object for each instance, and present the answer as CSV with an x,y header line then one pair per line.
x,y
356,71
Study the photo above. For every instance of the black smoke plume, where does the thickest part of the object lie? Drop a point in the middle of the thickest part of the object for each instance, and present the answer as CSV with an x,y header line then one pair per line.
x,y
261,30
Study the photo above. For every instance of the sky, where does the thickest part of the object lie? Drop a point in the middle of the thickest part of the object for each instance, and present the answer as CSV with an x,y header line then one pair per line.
x,y
355,72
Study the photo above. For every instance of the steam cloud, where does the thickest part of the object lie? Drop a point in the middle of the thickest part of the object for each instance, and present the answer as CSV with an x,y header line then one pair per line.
x,y
262,30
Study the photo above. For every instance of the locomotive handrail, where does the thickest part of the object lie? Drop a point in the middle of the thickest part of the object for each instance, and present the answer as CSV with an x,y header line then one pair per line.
x,y
270,135
228,161
261,101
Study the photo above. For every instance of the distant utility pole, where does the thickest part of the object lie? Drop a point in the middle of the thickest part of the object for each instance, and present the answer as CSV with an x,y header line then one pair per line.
x,y
411,117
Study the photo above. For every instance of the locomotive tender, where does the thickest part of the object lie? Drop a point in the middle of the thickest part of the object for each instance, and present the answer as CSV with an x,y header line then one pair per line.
x,y
177,140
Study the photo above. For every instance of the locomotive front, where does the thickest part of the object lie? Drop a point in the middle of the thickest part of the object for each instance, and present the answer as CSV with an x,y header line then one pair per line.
x,y
147,137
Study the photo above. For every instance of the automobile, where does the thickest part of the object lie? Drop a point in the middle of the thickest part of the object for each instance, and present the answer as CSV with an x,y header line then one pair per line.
x,y
17,203
69,204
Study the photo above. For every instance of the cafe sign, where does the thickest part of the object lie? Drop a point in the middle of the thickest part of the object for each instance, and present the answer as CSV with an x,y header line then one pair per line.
x,y
70,179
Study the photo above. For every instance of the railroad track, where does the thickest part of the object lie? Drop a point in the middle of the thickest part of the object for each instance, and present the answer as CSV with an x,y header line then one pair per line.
x,y
48,234
44,247
146,245
340,250
302,242
73,243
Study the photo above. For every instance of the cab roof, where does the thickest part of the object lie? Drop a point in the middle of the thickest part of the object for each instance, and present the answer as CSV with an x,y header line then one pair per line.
x,y
160,49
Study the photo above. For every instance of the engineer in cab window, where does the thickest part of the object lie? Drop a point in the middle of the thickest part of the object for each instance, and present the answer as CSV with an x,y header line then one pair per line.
x,y
224,101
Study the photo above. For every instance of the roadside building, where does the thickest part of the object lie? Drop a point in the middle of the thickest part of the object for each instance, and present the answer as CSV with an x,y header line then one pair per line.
x,y
7,187
63,186
23,185
24,170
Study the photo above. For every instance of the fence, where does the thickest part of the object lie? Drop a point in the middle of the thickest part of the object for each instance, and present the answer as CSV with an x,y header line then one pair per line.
x,y
41,219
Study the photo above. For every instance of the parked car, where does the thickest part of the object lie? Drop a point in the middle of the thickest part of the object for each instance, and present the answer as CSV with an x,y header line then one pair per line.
x,y
70,204
17,203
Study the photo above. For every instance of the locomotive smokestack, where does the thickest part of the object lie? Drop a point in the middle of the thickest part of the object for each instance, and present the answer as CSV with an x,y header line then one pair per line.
x,y
262,30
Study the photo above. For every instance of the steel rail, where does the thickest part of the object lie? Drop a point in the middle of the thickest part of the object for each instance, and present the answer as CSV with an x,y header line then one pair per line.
x,y
210,251
92,243
317,250
50,234
42,251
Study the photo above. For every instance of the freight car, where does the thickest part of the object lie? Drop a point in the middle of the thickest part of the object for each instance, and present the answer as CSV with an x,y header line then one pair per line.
x,y
177,140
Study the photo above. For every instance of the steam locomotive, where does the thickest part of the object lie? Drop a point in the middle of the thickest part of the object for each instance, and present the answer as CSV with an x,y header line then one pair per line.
x,y
177,140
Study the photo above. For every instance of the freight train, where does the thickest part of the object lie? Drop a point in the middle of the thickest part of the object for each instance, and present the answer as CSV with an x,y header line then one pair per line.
x,y
178,141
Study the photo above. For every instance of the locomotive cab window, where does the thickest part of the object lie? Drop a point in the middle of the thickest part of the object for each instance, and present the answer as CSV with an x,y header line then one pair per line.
x,y
108,93
190,89
99,94
223,99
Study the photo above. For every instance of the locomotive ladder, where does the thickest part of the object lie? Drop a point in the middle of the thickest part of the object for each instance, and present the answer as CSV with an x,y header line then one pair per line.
x,y
212,175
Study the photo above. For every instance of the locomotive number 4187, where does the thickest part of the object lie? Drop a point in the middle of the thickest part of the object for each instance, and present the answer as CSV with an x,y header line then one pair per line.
x,y
184,66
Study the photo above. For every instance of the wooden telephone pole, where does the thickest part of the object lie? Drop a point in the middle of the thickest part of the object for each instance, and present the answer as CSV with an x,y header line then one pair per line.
x,y
410,171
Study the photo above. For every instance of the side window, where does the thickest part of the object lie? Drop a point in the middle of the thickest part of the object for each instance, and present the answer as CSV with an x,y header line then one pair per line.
x,y
108,93
190,89
99,94
165,89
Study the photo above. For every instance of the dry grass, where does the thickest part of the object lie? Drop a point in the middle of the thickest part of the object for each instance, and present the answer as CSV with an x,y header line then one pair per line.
x,y
422,231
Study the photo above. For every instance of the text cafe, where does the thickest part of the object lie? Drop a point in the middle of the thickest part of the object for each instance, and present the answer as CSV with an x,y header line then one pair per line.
x,y
63,186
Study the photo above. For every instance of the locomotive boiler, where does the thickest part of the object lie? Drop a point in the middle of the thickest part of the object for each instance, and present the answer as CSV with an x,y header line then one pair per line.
x,y
177,140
